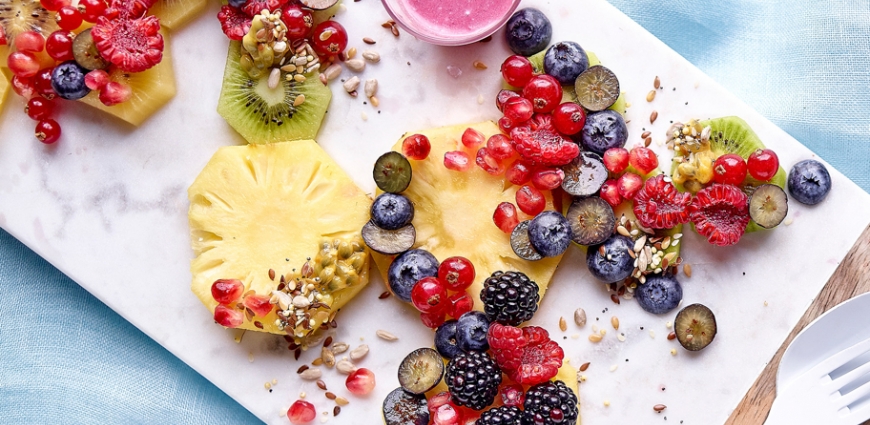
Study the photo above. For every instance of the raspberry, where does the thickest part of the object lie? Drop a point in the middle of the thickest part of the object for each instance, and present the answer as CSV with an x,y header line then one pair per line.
x,y
129,9
234,23
550,403
528,355
133,45
720,213
254,7
538,141
658,205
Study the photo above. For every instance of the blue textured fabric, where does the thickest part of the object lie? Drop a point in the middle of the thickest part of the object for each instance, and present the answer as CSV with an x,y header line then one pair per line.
x,y
803,64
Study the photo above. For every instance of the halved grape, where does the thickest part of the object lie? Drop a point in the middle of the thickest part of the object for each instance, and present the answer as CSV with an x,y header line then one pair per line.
x,y
585,175
421,370
591,219
768,205
521,244
695,327
85,52
597,88
389,242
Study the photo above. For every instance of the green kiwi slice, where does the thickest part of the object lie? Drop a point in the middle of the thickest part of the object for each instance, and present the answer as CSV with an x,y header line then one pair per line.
x,y
392,172
421,370
695,327
18,16
591,219
85,52
265,115
768,206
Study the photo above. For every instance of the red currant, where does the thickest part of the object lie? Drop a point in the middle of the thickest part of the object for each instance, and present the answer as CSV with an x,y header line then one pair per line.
x,y
472,138
68,18
434,319
30,41
544,91
569,118
22,64
518,109
54,5
610,193
225,316
47,131
628,185
39,108
505,217
360,382
488,163
499,147
96,79
517,71
505,124
23,86
114,93
225,291
429,295
503,97
460,303
301,412
329,39
548,178
259,304
456,273
299,21
457,161
59,45
92,9
643,159
530,200
729,169
519,173
42,84
763,164
616,160
416,147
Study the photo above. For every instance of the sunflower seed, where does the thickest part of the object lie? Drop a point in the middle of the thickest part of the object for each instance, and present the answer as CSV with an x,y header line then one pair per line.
x,y
339,347
351,84
332,71
382,334
345,367
639,243
371,56
328,357
356,65
274,78
312,374
359,352
371,87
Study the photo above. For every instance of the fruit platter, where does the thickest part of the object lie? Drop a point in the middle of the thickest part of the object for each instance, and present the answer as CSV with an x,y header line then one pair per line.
x,y
654,258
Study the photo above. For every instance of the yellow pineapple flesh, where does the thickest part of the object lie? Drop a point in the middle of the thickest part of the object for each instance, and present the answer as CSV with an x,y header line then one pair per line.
x,y
152,89
257,208
4,89
174,14
453,213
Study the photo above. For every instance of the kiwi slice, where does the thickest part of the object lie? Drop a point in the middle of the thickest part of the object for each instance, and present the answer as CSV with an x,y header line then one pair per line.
x,y
85,52
18,16
695,327
392,172
521,243
591,219
403,408
597,88
421,370
585,175
265,115
768,206
318,4
389,242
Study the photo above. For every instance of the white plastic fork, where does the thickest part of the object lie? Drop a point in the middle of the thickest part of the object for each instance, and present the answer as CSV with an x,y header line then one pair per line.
x,y
814,398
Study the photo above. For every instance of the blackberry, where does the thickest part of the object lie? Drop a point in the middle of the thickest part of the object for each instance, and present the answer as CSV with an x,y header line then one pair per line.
x,y
550,403
509,298
473,379
503,415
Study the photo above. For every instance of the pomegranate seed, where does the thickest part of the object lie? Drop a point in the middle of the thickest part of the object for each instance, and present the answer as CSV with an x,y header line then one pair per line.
x,y
30,41
460,303
548,179
519,173
499,147
96,79
503,97
301,412
513,395
488,163
505,217
227,317
23,86
360,382
446,414
429,295
616,160
518,110
68,18
628,185
259,304
47,131
569,118
22,64
643,159
225,291
438,400
54,5
433,320
472,138
763,164
517,71
59,45
457,161
42,84
505,125
114,93
39,108
530,200
610,193
457,273
416,147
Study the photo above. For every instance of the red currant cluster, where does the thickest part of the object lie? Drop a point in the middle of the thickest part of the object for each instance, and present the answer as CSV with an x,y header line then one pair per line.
x,y
444,295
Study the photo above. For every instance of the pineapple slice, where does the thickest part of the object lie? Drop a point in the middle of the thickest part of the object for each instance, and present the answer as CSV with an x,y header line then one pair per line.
x,y
152,89
257,208
453,213
174,14
4,89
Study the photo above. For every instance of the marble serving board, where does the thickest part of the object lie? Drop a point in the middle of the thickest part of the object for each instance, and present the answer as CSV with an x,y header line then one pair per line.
x,y
107,205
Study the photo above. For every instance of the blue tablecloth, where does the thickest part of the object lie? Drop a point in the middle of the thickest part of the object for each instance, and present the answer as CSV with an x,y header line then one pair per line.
x,y
67,358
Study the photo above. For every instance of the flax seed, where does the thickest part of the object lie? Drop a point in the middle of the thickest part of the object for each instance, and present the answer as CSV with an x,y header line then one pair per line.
x,y
653,116
657,83
368,40
583,367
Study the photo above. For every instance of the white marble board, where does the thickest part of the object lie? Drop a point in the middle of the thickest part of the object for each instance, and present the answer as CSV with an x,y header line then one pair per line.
x,y
107,206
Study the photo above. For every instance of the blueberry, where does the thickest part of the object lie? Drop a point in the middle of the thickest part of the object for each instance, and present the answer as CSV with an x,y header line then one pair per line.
x,y
809,182
615,264
392,211
565,61
237,3
528,31
68,81
445,340
471,329
407,269
603,130
550,233
660,294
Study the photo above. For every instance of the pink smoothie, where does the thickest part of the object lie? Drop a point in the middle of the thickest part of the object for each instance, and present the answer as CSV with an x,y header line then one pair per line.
x,y
455,18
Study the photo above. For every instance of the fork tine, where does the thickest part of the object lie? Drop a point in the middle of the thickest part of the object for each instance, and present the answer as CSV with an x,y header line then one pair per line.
x,y
851,376
832,363
853,396
860,414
